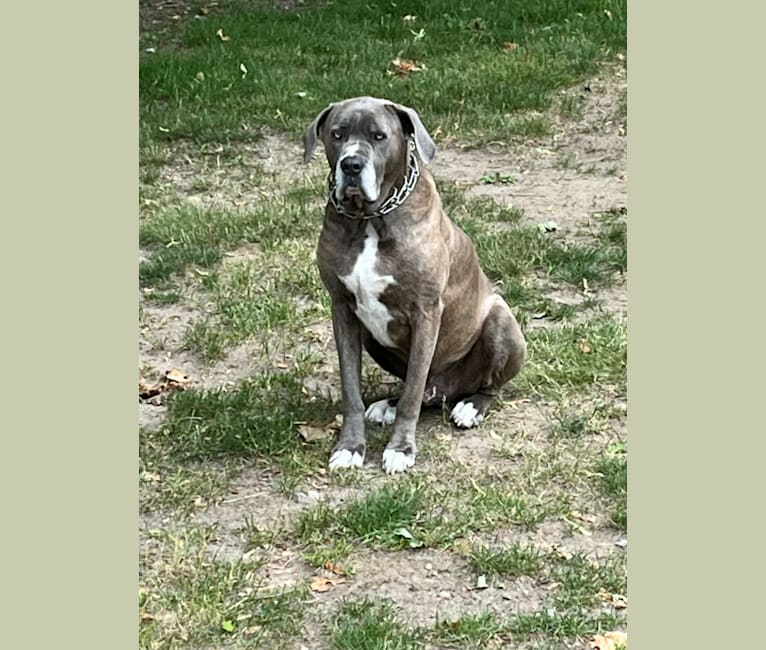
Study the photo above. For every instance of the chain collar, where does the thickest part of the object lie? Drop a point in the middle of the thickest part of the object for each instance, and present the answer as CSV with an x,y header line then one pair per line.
x,y
391,203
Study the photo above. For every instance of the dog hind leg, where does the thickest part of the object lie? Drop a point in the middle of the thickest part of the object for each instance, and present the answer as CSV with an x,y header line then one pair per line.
x,y
496,357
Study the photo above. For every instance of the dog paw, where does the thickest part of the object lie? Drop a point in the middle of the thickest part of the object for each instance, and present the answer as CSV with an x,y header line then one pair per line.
x,y
397,461
466,415
380,412
342,458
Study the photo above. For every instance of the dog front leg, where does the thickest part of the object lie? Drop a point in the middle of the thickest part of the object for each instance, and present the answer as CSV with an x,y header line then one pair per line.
x,y
349,452
400,452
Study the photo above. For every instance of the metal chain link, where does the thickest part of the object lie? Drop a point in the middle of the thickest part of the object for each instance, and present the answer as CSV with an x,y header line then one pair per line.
x,y
390,204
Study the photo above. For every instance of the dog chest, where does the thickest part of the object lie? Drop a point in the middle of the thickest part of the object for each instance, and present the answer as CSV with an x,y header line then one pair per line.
x,y
367,285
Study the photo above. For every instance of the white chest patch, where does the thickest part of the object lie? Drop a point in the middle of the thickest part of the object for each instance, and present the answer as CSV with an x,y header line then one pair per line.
x,y
367,285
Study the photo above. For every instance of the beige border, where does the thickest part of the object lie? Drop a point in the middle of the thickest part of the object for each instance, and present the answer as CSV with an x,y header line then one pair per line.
x,y
69,313
696,234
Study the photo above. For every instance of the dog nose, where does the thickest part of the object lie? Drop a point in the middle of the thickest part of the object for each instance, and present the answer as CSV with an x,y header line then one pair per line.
x,y
352,165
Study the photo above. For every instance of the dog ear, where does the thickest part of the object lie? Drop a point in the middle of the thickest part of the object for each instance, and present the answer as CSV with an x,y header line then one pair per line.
x,y
413,125
312,134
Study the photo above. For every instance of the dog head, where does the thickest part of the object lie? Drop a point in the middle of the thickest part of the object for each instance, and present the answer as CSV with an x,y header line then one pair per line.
x,y
366,143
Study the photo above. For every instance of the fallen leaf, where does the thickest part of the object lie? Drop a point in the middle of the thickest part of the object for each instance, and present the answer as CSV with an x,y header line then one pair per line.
x,y
145,616
403,67
618,601
322,584
509,47
203,11
583,345
610,641
584,517
220,35
334,568
176,376
318,432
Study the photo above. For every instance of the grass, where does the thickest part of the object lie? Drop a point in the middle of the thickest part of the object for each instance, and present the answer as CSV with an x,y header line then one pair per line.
x,y
257,417
188,598
186,235
569,358
613,471
549,449
278,68
512,561
368,624
378,518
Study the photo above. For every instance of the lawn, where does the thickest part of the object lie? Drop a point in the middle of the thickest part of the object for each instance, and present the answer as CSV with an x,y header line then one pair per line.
x,y
512,534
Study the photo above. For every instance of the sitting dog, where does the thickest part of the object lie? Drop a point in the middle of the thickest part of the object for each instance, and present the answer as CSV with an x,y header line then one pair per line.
x,y
404,281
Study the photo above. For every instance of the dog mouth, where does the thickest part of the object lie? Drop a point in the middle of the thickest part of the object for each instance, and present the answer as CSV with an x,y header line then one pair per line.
x,y
355,198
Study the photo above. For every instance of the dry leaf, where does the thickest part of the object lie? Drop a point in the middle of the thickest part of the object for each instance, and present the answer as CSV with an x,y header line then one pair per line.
x,y
176,376
334,568
509,47
404,67
220,35
583,345
618,601
609,641
590,519
145,616
321,584
323,431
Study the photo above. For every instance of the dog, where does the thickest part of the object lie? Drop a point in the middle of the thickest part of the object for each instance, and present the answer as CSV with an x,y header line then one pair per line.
x,y
405,282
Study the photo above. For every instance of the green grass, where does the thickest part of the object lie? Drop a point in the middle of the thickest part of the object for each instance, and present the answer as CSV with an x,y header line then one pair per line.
x,y
470,630
613,471
580,581
370,624
187,235
566,359
296,63
377,518
511,561
489,630
256,418
279,289
183,489
189,599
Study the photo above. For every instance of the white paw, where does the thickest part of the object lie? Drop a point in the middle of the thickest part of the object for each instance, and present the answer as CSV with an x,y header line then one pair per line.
x,y
380,412
466,415
397,461
345,458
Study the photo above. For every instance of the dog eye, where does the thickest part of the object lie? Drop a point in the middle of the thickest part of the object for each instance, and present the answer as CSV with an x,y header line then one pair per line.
x,y
336,134
380,136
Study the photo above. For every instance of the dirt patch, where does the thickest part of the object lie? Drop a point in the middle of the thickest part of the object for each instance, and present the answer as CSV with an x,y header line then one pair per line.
x,y
566,177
